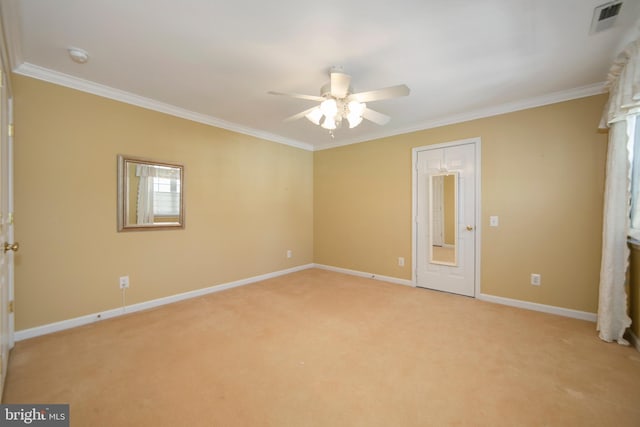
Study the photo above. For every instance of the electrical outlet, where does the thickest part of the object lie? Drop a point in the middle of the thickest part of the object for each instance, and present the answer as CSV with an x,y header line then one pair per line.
x,y
289,253
536,279
124,282
401,261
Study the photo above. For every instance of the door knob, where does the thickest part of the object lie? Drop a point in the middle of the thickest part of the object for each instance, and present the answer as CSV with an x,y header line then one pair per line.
x,y
11,247
469,227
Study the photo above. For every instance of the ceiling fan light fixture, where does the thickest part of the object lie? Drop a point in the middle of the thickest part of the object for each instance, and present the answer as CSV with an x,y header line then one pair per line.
x,y
356,108
355,111
329,108
339,104
315,116
354,120
329,123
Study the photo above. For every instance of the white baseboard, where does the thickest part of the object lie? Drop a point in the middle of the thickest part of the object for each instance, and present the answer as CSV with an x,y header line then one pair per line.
x,y
389,279
560,311
96,317
634,340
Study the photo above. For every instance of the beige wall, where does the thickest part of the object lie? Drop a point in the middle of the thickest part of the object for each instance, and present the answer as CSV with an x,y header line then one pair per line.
x,y
542,174
247,202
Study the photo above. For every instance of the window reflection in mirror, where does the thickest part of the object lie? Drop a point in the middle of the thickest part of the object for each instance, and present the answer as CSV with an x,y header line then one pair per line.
x,y
150,194
443,218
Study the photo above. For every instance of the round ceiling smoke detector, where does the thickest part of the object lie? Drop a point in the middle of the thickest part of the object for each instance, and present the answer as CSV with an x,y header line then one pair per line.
x,y
78,55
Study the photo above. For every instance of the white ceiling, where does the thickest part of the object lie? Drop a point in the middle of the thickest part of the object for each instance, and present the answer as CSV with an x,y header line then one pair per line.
x,y
214,61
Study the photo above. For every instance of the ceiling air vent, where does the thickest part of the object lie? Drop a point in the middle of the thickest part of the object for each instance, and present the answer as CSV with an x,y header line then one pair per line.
x,y
604,16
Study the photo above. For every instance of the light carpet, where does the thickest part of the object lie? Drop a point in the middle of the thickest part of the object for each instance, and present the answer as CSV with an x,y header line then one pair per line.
x,y
318,348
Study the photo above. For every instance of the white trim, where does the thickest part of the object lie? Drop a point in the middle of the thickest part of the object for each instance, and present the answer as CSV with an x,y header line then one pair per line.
x,y
10,263
477,142
551,309
537,101
560,311
373,276
96,317
45,74
478,213
634,340
414,218
55,77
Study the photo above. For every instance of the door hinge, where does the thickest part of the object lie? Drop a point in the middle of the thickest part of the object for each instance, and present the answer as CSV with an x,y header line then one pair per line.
x,y
11,130
10,307
10,218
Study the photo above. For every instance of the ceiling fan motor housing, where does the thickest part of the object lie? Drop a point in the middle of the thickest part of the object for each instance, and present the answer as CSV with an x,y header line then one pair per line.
x,y
325,91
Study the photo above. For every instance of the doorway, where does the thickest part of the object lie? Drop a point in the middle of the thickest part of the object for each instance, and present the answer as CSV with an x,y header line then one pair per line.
x,y
446,212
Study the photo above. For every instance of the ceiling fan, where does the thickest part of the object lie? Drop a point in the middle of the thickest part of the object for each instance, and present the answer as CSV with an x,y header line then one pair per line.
x,y
338,103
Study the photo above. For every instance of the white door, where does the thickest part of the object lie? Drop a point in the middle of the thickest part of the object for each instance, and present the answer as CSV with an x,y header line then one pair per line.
x,y
449,268
6,230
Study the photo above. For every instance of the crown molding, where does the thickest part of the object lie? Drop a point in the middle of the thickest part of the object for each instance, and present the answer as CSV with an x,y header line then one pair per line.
x,y
538,101
55,77
45,74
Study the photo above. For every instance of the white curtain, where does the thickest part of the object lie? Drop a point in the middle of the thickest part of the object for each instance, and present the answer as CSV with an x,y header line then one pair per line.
x,y
145,174
166,191
624,104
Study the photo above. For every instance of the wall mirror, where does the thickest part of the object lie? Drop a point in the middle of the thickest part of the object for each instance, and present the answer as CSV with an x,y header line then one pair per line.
x,y
443,218
150,194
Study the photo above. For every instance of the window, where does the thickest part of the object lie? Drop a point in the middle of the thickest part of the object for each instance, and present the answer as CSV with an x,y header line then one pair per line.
x,y
166,194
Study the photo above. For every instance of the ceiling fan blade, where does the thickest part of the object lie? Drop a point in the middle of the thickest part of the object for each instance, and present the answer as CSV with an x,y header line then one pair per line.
x,y
299,96
377,95
299,115
375,117
340,84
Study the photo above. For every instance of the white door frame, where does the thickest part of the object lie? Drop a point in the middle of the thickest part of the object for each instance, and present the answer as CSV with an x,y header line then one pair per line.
x,y
7,193
6,225
10,230
477,142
